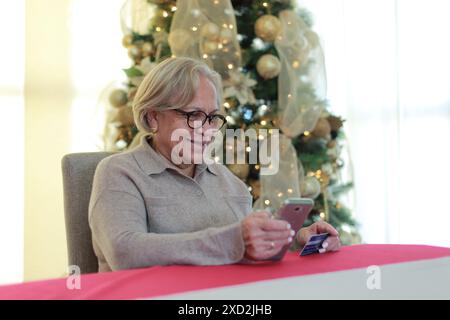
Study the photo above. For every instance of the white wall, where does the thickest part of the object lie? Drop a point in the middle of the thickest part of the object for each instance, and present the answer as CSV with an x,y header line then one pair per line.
x,y
12,17
73,50
48,97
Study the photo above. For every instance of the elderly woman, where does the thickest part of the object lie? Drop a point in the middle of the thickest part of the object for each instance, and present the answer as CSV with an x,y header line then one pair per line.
x,y
146,209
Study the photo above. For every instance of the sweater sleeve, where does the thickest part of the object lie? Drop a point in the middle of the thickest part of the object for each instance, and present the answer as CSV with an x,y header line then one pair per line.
x,y
119,228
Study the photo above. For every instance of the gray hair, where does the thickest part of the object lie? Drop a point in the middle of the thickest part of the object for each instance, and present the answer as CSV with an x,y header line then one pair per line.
x,y
171,84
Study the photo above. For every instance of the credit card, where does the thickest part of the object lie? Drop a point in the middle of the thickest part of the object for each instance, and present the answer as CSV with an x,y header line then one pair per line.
x,y
314,244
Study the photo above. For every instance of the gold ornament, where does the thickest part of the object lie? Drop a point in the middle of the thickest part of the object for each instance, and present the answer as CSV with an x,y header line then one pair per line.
x,y
118,98
268,66
147,49
322,129
209,47
310,187
210,31
135,53
127,40
124,116
267,27
240,170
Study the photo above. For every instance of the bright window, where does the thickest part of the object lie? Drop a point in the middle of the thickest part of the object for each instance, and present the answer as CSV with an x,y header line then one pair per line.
x,y
389,76
97,60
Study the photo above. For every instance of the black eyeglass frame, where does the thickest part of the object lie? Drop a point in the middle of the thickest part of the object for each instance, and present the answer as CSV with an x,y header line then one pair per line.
x,y
208,117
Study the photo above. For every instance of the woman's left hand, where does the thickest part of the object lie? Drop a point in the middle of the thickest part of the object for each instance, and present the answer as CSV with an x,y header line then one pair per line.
x,y
332,243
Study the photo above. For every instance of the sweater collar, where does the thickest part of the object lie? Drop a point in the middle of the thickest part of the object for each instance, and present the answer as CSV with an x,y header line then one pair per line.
x,y
152,162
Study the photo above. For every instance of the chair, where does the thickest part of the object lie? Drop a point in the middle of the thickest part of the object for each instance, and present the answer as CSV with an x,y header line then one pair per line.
x,y
78,172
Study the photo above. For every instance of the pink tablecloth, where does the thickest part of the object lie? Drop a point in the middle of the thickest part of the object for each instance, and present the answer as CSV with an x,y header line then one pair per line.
x,y
159,281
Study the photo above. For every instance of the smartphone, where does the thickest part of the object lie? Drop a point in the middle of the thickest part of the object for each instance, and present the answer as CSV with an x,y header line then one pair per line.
x,y
295,211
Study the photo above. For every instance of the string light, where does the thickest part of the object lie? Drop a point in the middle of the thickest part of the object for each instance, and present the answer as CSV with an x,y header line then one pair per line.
x,y
158,29
267,202
230,66
194,28
174,8
205,56
306,133
263,122
165,14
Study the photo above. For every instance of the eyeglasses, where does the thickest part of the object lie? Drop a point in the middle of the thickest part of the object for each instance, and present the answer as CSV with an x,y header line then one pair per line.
x,y
197,119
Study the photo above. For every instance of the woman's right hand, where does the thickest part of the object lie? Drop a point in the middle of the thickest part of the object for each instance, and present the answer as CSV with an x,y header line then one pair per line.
x,y
263,236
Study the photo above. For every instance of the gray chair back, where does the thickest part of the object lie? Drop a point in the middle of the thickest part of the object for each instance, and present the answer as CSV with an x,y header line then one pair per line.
x,y
78,172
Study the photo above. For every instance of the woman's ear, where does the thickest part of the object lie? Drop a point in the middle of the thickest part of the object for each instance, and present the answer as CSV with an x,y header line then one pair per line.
x,y
152,120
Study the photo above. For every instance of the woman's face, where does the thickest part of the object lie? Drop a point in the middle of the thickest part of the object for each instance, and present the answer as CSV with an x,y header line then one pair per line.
x,y
168,121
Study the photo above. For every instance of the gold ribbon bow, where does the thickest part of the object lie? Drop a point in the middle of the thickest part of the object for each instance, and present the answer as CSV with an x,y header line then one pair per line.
x,y
206,30
301,94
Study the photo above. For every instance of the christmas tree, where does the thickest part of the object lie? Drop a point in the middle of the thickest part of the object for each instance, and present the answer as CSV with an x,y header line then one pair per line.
x,y
272,67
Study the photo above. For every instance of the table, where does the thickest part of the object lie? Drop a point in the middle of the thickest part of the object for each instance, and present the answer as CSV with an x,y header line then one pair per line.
x,y
398,272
